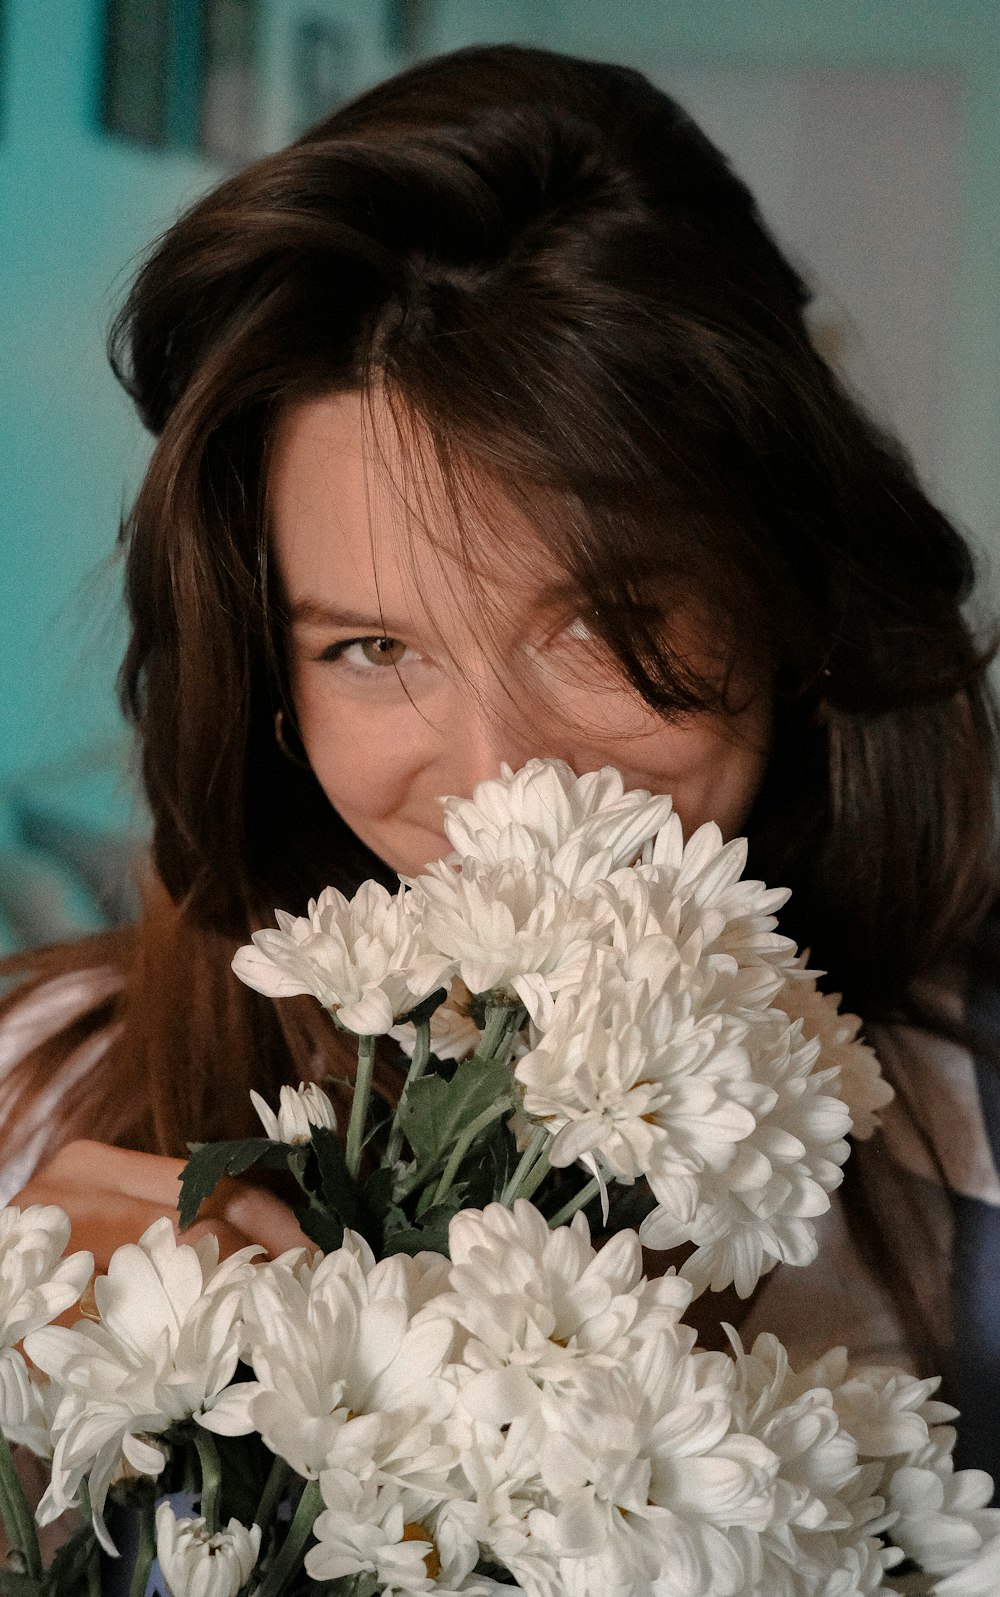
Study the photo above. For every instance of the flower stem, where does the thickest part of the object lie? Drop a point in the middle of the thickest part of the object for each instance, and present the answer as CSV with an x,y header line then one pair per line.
x,y
18,1523
465,1141
145,1550
513,1188
503,1022
418,1064
534,1180
359,1104
211,1477
271,1496
582,1198
288,1561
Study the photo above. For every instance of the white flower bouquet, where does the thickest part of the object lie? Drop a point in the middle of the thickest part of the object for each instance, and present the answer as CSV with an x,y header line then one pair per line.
x,y
460,1390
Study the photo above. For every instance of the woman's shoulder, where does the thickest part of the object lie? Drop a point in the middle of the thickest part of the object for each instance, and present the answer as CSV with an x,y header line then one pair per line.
x,y
942,1124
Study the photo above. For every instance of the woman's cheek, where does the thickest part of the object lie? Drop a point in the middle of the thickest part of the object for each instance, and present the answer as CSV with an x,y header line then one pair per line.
x,y
362,753
718,775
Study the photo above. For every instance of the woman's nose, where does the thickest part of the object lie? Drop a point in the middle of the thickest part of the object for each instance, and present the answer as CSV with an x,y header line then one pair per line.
x,y
505,727
481,736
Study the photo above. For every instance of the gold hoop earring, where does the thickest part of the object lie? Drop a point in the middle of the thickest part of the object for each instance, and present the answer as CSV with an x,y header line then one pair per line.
x,y
291,754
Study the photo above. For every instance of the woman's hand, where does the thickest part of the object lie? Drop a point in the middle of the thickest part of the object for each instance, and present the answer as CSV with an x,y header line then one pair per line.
x,y
112,1194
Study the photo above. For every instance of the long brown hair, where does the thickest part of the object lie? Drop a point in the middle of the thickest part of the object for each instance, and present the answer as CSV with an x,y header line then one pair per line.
x,y
545,262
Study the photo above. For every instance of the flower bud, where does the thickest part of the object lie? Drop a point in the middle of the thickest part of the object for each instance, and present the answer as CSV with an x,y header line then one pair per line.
x,y
197,1564
298,1109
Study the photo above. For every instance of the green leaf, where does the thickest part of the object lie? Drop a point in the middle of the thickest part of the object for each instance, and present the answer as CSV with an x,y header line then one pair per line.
x,y
492,1164
378,1191
425,1201
300,1164
15,1584
346,1586
436,1111
339,1193
427,1235
320,1226
210,1161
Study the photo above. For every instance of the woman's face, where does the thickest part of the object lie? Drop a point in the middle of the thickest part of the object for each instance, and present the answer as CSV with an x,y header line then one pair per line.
x,y
407,688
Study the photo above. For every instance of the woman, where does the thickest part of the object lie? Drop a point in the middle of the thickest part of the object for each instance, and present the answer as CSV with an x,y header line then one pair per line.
x,y
489,426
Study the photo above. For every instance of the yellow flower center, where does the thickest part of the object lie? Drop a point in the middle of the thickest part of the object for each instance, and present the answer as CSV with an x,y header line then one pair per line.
x,y
416,1532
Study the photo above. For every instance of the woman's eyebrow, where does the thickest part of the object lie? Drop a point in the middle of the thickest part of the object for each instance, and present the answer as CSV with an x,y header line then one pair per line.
x,y
315,613
320,613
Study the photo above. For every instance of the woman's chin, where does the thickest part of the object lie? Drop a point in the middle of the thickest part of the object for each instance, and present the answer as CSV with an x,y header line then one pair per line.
x,y
414,858
437,848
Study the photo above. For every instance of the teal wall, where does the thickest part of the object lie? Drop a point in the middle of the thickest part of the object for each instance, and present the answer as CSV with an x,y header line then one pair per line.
x,y
76,209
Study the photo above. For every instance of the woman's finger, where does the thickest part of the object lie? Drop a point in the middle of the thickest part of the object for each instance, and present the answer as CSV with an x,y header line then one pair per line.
x,y
260,1216
112,1194
229,1237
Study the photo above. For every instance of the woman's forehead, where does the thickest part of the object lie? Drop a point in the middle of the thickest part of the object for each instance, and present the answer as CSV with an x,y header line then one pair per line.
x,y
361,510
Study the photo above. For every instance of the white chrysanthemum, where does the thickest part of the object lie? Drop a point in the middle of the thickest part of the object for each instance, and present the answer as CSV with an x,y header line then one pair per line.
x,y
823,1535
367,959
585,825
167,1342
454,1033
887,1409
36,1284
944,1519
903,1485
396,1535
27,1405
495,1490
861,1084
760,1210
944,1522
199,1563
299,1109
637,1085
539,1305
506,926
343,1380
979,1578
647,1481
698,885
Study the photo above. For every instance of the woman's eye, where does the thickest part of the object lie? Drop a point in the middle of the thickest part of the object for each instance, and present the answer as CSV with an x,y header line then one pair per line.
x,y
363,654
562,642
577,630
